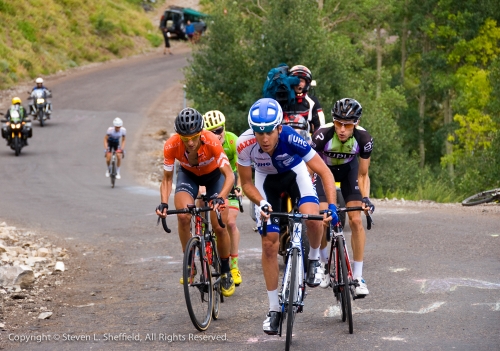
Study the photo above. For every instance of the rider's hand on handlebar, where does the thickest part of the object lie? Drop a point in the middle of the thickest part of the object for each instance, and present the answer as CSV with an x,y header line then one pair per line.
x,y
333,216
263,214
367,205
237,191
161,210
218,203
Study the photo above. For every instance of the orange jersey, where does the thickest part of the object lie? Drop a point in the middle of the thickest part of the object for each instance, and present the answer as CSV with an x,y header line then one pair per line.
x,y
210,154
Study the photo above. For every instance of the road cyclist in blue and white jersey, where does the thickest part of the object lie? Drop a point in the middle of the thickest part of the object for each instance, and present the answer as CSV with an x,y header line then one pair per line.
x,y
280,155
115,140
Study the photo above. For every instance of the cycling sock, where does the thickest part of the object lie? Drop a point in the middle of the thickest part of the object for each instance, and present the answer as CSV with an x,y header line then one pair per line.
x,y
234,261
274,302
224,265
117,169
357,269
314,253
323,254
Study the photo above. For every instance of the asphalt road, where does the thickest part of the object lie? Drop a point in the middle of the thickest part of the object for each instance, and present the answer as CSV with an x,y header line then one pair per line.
x,y
433,272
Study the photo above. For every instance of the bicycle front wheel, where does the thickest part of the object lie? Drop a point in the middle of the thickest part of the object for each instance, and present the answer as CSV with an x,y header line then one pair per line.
x,y
345,291
113,173
293,302
198,289
481,198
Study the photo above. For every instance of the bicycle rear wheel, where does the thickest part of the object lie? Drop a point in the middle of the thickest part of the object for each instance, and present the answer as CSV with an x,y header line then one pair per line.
x,y
482,197
216,282
292,299
345,291
198,289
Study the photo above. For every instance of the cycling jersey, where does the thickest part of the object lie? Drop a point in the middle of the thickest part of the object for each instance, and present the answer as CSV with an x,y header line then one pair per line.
x,y
334,152
229,145
114,136
290,151
211,155
307,107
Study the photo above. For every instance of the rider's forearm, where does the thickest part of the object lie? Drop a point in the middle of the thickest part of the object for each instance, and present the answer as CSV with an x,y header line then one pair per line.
x,y
228,182
364,185
166,187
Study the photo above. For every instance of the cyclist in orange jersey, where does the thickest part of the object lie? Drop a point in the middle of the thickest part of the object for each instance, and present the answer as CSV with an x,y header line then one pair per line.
x,y
202,163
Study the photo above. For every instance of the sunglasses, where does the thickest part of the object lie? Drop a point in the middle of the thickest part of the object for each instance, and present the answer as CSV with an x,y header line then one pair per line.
x,y
218,131
345,124
191,137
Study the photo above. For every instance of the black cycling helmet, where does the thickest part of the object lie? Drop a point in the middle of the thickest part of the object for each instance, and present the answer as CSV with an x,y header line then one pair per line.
x,y
188,122
348,109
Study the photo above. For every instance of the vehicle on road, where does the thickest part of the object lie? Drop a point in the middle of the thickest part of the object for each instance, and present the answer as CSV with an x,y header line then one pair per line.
x,y
16,131
483,198
175,20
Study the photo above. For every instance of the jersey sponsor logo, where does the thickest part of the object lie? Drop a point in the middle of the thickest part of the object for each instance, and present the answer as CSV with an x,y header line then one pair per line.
x,y
288,162
369,146
282,157
245,144
263,164
338,155
294,139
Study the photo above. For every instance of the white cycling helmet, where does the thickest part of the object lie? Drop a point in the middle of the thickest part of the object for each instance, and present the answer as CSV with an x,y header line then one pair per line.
x,y
39,81
117,122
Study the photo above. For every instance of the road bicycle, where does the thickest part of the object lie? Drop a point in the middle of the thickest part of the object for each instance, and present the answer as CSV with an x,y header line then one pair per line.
x,y
339,267
113,167
201,272
293,285
483,197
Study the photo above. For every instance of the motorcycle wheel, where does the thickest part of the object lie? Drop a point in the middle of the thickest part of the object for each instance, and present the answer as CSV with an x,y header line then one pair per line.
x,y
17,145
40,117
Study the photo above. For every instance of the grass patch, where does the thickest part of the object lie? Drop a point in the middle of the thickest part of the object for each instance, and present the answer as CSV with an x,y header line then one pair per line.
x,y
27,30
154,39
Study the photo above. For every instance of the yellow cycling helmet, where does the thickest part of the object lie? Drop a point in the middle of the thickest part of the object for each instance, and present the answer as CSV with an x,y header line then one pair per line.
x,y
214,119
16,100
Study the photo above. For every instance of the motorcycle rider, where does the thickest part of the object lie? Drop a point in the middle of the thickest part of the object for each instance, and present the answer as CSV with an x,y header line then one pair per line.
x,y
39,86
18,108
112,142
306,114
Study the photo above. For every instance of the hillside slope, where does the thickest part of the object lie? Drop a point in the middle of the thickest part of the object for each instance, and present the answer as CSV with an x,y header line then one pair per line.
x,y
40,37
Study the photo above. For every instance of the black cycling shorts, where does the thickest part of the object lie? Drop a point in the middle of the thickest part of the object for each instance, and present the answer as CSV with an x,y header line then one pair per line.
x,y
347,175
190,183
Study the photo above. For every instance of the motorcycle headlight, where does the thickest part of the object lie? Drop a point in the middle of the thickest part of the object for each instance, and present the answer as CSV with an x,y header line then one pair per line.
x,y
40,101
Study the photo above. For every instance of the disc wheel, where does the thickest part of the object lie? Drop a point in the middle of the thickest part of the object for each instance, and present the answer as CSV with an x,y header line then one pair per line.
x,y
198,289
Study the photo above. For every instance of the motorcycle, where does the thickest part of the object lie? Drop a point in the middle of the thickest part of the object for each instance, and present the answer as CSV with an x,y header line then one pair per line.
x,y
40,106
16,131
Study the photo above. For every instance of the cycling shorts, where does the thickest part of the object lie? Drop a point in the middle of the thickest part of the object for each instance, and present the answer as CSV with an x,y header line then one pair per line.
x,y
347,175
113,146
190,182
296,182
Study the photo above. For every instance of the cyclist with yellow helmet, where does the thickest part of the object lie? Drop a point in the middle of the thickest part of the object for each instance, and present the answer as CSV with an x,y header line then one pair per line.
x,y
215,122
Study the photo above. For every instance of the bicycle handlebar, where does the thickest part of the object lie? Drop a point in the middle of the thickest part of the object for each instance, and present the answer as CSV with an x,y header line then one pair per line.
x,y
287,215
369,219
190,210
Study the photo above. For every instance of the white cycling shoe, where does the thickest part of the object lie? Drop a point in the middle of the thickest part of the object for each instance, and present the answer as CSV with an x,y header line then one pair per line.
x,y
118,176
107,173
325,276
361,290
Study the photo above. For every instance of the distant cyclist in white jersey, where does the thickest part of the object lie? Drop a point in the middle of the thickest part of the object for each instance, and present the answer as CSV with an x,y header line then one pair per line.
x,y
114,136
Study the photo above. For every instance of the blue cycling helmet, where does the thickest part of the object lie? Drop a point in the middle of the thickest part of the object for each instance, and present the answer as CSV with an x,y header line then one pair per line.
x,y
265,115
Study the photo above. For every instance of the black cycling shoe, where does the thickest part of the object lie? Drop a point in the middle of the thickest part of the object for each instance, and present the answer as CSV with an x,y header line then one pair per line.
x,y
271,324
311,279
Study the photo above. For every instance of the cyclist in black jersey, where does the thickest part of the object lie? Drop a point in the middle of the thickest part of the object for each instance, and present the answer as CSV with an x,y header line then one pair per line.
x,y
339,144
306,114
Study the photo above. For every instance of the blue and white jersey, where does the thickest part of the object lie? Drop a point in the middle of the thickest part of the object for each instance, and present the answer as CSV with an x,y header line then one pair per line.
x,y
291,150
114,136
